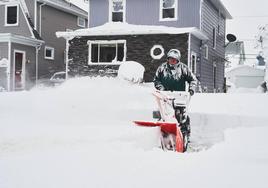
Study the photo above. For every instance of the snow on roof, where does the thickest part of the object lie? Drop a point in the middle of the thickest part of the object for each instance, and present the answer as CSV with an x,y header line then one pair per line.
x,y
118,28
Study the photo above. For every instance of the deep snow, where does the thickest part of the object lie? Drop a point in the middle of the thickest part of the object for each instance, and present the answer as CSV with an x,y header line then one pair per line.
x,y
81,134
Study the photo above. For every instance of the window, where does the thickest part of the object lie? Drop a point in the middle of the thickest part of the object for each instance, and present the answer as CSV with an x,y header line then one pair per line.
x,y
49,53
12,14
206,51
81,22
117,10
214,37
107,51
168,10
192,65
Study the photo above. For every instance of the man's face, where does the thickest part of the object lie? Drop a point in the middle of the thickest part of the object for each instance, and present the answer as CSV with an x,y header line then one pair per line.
x,y
172,61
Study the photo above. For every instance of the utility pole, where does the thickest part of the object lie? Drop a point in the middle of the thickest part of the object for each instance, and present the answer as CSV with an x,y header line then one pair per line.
x,y
263,45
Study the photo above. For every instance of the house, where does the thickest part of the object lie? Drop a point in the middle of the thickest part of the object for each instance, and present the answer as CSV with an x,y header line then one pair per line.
x,y
144,31
29,48
235,53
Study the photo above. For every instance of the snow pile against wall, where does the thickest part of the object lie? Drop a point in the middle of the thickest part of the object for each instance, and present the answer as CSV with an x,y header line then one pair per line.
x,y
131,71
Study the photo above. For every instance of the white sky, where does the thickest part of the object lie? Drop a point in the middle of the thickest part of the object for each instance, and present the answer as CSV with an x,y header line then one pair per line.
x,y
247,17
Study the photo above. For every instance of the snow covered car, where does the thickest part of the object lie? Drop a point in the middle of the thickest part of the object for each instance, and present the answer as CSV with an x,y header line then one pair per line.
x,y
58,78
55,80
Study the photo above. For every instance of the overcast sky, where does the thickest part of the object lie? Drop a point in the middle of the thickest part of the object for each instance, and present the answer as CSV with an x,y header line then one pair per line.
x,y
247,15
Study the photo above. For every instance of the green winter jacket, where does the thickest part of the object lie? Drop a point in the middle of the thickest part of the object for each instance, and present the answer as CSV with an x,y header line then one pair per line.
x,y
174,78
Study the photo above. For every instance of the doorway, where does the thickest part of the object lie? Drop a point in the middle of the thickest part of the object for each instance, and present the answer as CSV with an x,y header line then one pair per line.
x,y
19,70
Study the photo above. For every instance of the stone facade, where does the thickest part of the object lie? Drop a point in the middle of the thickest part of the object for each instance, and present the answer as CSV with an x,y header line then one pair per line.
x,y
138,49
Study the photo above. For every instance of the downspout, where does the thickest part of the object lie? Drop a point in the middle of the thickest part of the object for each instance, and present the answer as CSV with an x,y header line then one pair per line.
x,y
88,17
40,18
37,48
189,49
67,58
35,14
9,66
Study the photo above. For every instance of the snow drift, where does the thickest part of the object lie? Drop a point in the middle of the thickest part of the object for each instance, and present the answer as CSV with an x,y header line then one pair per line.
x,y
81,134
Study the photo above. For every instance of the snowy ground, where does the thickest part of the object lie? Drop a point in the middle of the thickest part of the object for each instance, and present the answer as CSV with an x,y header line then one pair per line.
x,y
81,135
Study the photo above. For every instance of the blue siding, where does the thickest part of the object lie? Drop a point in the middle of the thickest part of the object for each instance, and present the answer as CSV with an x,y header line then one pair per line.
x,y
99,12
211,18
146,12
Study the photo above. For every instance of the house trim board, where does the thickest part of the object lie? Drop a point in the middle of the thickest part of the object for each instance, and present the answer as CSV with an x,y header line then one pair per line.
x,y
8,37
189,49
90,42
9,66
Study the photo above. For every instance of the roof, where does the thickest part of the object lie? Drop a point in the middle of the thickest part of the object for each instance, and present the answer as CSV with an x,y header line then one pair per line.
x,y
66,6
222,8
118,28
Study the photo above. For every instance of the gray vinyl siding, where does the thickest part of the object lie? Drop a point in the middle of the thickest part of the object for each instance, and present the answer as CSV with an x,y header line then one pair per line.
x,y
147,13
30,5
211,19
54,20
195,47
3,50
22,29
99,12
29,67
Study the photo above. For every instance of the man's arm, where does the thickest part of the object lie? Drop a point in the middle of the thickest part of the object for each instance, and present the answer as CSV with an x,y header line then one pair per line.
x,y
158,80
191,79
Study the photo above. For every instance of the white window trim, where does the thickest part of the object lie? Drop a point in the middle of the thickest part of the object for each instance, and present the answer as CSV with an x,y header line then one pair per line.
x,y
18,15
157,56
206,51
161,12
52,52
78,23
111,8
105,42
215,37
193,54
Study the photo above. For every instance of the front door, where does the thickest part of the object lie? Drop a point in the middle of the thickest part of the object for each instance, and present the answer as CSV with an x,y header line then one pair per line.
x,y
19,72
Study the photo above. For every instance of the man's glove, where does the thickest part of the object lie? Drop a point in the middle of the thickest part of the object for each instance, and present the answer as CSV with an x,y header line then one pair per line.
x,y
191,92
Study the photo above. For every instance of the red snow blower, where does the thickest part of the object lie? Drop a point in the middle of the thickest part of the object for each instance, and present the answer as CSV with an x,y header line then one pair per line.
x,y
172,137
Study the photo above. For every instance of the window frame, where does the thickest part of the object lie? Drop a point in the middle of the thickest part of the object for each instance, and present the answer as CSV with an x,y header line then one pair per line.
x,y
78,23
111,11
206,51
52,53
161,12
6,16
214,37
195,62
99,42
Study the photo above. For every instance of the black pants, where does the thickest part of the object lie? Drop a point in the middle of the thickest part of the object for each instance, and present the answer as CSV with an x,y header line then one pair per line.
x,y
183,120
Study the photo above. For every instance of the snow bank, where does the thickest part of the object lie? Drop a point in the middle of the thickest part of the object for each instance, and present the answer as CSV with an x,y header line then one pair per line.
x,y
131,71
81,134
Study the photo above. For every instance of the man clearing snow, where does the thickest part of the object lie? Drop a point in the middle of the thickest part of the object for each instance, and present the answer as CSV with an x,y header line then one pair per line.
x,y
172,76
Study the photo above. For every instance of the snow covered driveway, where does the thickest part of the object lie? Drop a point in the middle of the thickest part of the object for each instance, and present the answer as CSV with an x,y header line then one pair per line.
x,y
81,135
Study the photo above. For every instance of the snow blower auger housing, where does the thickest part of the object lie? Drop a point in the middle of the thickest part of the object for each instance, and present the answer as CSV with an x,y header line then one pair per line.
x,y
171,115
